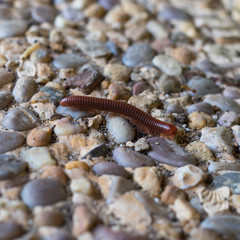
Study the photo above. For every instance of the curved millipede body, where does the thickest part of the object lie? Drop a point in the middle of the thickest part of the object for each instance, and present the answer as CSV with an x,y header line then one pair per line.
x,y
123,108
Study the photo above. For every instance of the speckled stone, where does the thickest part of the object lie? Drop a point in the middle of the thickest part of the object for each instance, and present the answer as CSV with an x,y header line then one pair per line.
x,y
10,141
201,107
69,60
5,77
138,53
43,192
128,158
10,230
168,152
172,13
5,99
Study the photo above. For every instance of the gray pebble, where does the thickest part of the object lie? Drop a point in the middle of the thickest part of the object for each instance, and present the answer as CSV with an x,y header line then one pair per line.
x,y
219,166
128,158
24,89
168,84
207,66
139,87
231,92
43,192
202,86
108,4
168,152
41,55
10,230
110,168
69,60
175,108
43,13
5,76
72,14
224,224
236,134
5,99
12,28
173,13
231,180
228,119
113,48
224,103
59,235
10,167
20,119
137,53
100,150
200,107
10,141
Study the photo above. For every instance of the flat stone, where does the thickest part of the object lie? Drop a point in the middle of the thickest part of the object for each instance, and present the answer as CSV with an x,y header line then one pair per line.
x,y
69,60
10,230
168,152
228,119
231,180
224,103
223,224
10,167
167,65
5,77
10,141
202,86
12,28
19,119
172,13
128,158
201,107
219,166
137,53
175,108
5,99
43,192
231,92
43,13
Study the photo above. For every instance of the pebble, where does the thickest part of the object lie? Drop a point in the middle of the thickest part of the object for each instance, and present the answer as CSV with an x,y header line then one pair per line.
x,y
140,87
128,158
231,180
77,164
168,84
82,185
38,157
202,86
167,65
188,176
119,128
103,232
41,55
87,80
172,13
117,72
10,230
65,127
108,4
50,233
94,49
160,44
10,167
175,108
236,134
168,152
5,99
10,141
156,29
41,192
94,10
200,107
231,92
24,89
19,119
116,17
118,91
69,60
39,137
12,28
97,151
224,103
48,217
110,168
149,179
72,14
183,55
228,119
205,234
219,166
113,48
137,53
5,77
218,139
141,145
54,172
43,14
223,224
199,120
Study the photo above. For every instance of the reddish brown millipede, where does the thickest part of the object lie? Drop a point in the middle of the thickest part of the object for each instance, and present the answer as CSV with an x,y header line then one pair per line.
x,y
139,117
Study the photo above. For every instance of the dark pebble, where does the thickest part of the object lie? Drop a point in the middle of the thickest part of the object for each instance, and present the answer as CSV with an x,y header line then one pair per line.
x,y
200,107
43,192
5,99
110,168
100,150
175,108
113,48
5,77
128,158
10,230
172,13
168,152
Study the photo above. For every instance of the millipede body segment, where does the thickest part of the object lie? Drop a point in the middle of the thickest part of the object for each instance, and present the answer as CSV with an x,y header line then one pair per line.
x,y
123,108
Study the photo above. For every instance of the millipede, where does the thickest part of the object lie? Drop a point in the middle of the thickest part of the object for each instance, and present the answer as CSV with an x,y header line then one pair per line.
x,y
139,117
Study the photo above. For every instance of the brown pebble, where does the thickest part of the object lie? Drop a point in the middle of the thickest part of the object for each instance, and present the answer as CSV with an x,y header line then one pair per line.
x,y
170,194
39,137
117,72
199,120
183,55
54,172
118,91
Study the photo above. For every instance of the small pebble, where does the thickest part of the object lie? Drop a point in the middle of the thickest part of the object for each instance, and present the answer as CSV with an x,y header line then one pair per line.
x,y
236,134
10,141
141,145
228,119
120,129
38,157
54,172
199,120
219,166
117,72
43,14
108,4
39,137
175,108
172,13
97,151
77,164
118,91
10,230
128,158
41,55
82,185
5,99
168,84
200,107
165,151
183,55
5,77
231,92
42,192
140,87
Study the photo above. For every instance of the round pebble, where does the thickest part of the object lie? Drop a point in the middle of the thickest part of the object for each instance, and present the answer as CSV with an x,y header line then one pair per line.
x,y
168,152
110,168
167,65
172,13
41,55
175,108
5,77
5,99
10,230
201,107
43,14
39,137
43,192
168,84
140,87
128,158
54,172
69,60
117,72
10,141
199,120
138,53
